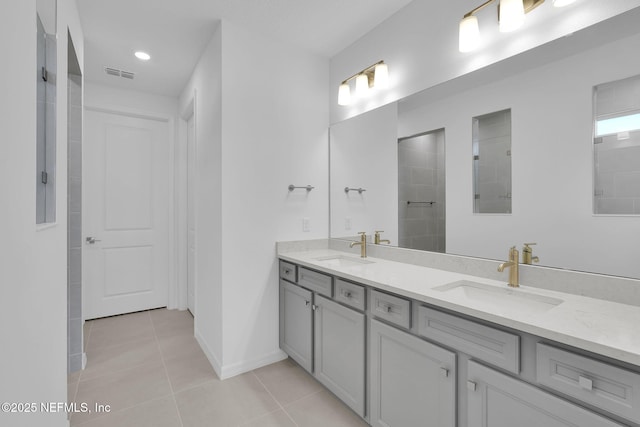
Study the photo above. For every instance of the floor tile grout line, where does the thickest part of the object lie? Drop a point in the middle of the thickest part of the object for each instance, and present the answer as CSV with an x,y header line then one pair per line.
x,y
305,396
114,371
130,340
251,420
166,371
274,398
75,393
120,410
171,394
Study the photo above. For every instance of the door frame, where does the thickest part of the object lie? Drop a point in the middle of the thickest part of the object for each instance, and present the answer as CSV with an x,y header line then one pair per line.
x,y
181,203
173,283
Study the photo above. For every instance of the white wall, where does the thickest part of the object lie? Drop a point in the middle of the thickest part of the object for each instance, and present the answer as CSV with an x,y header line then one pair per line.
x,y
274,133
420,44
206,85
33,261
552,160
261,124
364,153
106,97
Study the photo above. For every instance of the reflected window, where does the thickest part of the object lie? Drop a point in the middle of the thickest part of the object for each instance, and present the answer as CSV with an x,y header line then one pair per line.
x,y
617,147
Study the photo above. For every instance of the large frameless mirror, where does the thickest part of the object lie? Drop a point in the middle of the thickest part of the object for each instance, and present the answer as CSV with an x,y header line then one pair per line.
x,y
616,147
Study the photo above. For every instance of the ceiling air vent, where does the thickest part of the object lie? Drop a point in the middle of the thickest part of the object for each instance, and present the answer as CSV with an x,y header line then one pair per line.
x,y
112,71
119,73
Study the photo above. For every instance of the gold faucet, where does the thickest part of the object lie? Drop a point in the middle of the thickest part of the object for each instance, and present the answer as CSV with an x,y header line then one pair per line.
x,y
527,254
362,243
512,264
377,239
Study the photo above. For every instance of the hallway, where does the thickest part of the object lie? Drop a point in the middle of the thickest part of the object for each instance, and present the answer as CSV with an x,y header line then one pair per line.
x,y
151,371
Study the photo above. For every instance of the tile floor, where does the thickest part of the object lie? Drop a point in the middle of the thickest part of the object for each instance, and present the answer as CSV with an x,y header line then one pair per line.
x,y
149,368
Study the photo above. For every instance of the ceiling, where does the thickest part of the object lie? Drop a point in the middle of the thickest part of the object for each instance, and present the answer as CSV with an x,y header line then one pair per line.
x,y
175,32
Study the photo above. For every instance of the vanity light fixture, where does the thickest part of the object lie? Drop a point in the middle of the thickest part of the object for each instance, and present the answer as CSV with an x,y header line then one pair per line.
x,y
143,56
362,85
376,75
510,16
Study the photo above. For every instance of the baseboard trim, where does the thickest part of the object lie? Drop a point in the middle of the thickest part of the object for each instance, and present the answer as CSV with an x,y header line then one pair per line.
x,y
213,360
249,365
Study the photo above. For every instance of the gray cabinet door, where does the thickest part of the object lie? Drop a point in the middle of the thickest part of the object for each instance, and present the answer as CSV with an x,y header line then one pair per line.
x,y
340,351
413,382
497,400
296,316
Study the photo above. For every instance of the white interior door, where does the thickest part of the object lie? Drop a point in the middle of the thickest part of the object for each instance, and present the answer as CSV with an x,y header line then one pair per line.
x,y
126,210
191,216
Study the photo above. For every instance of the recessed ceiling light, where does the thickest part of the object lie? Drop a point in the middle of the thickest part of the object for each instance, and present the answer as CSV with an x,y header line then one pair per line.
x,y
144,56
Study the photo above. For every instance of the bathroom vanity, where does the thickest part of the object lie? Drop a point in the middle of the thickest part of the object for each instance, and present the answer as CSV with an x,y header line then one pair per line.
x,y
408,345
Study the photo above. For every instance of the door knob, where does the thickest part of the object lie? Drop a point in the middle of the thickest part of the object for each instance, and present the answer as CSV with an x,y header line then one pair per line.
x,y
92,240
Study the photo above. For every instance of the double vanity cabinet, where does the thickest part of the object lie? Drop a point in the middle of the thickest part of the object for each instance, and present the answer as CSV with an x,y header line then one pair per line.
x,y
399,362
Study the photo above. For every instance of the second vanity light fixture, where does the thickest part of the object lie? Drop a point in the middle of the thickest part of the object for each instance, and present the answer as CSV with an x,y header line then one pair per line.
x,y
376,75
510,16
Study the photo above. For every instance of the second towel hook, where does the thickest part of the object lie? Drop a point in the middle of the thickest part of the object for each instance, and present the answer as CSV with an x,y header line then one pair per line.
x,y
359,190
307,187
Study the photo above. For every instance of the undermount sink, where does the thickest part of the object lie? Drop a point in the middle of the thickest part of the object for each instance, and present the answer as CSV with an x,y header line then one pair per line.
x,y
502,301
342,261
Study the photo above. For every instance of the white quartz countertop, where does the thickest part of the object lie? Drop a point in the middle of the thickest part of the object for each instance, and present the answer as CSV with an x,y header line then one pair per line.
x,y
603,327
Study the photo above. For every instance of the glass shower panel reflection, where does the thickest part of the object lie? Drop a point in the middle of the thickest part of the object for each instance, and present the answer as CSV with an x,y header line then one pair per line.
x,y
421,192
45,129
492,163
616,147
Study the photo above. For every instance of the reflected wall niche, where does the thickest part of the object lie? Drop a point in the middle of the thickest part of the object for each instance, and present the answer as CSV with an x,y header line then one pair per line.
x,y
492,163
616,147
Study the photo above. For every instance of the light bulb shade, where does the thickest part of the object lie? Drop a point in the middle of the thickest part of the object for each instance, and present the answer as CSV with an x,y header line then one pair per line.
x,y
469,38
143,56
511,15
362,85
344,94
381,76
562,3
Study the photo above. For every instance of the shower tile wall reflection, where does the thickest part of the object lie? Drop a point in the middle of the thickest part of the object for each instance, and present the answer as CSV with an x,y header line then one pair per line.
x,y
617,147
492,163
421,180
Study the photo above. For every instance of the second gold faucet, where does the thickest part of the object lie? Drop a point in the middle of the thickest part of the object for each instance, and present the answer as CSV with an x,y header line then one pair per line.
x,y
377,240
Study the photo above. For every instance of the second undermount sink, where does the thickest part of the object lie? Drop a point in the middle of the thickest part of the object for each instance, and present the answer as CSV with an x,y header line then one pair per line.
x,y
503,301
342,261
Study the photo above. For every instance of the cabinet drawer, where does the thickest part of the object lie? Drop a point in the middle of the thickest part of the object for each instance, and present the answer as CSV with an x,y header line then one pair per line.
x,y
288,271
496,399
391,308
605,386
350,294
485,343
317,282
